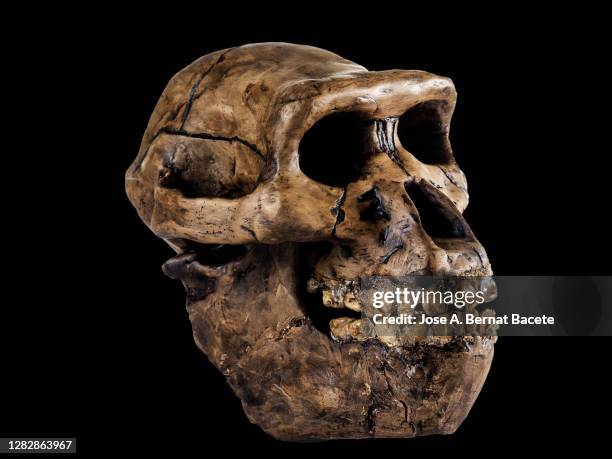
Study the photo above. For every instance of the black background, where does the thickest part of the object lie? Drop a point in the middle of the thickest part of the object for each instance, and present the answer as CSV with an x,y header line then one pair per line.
x,y
98,344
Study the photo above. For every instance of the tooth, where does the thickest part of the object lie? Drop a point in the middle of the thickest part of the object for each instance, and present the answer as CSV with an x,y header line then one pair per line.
x,y
346,328
312,285
392,340
351,302
330,300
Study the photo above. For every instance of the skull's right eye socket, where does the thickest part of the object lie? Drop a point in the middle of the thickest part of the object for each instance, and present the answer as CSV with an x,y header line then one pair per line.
x,y
423,132
332,150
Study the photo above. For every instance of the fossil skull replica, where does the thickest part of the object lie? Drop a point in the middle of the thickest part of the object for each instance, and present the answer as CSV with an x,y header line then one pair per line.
x,y
280,175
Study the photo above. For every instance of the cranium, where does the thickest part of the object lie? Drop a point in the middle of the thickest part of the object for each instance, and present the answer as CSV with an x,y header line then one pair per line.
x,y
281,174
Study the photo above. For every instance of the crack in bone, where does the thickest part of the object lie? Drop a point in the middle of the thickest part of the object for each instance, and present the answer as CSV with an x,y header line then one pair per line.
x,y
392,392
385,258
371,418
385,138
479,256
338,211
196,85
451,179
195,135
250,231
207,136
296,322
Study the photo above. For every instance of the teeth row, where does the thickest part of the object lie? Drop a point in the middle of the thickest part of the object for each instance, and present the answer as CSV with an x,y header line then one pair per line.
x,y
346,328
342,295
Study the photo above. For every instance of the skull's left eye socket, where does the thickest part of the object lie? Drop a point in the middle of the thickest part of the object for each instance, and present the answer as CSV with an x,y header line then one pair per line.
x,y
422,131
210,168
332,150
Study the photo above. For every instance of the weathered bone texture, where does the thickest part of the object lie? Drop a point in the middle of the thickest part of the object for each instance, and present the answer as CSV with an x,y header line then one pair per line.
x,y
272,229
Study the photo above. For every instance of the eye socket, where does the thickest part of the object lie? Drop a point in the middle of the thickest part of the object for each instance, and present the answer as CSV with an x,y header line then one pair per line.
x,y
332,151
422,131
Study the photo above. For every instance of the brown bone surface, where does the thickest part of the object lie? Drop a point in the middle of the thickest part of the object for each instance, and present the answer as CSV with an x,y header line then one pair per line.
x,y
281,174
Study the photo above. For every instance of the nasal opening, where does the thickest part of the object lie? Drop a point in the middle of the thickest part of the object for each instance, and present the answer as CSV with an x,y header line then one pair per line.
x,y
439,219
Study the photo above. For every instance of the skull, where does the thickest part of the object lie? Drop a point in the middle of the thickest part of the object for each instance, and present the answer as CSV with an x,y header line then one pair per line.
x,y
280,175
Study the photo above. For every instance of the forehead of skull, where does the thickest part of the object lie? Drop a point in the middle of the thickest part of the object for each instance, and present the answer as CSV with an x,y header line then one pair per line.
x,y
235,92
229,90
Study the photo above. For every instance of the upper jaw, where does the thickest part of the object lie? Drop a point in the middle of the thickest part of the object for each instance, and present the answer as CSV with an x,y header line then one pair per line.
x,y
355,324
198,265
